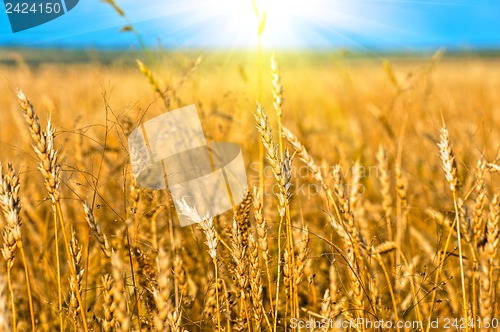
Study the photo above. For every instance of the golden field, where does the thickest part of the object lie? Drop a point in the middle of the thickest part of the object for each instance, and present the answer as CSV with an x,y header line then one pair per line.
x,y
358,221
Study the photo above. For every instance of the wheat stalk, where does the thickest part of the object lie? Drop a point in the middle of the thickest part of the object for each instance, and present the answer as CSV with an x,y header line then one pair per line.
x,y
282,173
351,239
280,169
277,98
386,185
263,240
207,225
493,168
162,294
75,283
43,145
96,230
4,311
306,158
240,271
180,277
489,261
119,295
449,166
109,306
256,286
11,207
480,189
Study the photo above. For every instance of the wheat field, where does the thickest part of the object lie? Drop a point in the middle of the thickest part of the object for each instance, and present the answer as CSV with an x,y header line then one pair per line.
x,y
373,196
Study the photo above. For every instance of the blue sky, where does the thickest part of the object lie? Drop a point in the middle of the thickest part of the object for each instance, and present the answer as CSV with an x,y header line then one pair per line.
x,y
312,24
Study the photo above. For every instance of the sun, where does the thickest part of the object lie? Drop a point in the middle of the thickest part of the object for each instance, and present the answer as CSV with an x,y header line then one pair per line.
x,y
288,23
282,20
237,22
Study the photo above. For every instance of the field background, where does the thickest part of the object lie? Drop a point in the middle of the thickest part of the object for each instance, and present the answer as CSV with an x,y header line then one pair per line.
x,y
341,106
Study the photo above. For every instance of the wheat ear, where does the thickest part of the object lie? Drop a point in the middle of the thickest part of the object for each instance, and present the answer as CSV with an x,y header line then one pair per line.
x,y
449,166
11,207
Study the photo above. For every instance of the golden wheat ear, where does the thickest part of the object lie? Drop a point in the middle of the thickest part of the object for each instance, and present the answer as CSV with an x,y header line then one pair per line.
x,y
11,207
